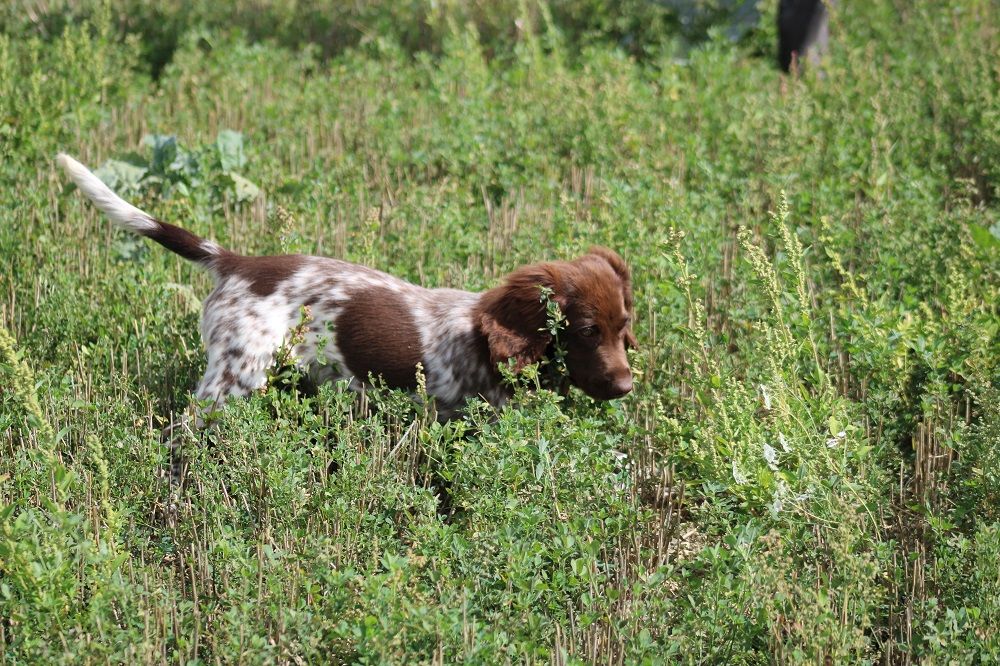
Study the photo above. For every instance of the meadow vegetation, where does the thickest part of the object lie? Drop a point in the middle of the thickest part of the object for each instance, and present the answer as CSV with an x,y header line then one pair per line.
x,y
811,468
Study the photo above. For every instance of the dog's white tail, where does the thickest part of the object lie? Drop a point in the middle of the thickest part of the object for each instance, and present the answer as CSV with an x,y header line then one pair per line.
x,y
125,215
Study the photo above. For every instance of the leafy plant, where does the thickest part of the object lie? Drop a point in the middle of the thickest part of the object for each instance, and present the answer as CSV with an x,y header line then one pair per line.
x,y
806,471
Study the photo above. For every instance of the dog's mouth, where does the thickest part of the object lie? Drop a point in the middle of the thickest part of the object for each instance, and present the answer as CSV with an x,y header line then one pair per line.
x,y
610,389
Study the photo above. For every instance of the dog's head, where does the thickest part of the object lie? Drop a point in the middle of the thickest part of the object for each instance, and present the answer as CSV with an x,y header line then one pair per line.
x,y
594,293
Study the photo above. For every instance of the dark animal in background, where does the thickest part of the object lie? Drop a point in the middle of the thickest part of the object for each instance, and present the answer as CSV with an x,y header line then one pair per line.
x,y
803,31
345,321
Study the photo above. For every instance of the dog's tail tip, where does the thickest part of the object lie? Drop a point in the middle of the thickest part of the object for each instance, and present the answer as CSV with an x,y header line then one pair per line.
x,y
71,166
112,205
121,212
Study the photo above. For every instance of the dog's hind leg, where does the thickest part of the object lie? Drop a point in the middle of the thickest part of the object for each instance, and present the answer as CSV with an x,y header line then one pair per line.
x,y
231,373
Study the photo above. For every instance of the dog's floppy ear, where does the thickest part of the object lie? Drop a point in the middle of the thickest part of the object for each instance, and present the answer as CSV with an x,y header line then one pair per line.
x,y
512,316
620,268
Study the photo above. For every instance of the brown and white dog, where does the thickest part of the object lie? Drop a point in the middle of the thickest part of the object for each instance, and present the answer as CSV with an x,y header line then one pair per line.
x,y
361,321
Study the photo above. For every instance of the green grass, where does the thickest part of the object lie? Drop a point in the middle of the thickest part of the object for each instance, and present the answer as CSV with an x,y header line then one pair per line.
x,y
814,440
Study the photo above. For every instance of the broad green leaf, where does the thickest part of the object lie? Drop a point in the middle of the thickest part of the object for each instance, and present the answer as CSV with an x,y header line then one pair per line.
x,y
245,190
121,176
164,150
230,146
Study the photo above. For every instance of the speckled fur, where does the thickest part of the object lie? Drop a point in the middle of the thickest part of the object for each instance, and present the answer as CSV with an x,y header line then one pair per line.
x,y
242,331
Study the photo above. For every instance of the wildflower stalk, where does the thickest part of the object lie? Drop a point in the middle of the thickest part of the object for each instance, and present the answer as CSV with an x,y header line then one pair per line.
x,y
710,369
96,451
22,385
696,310
793,248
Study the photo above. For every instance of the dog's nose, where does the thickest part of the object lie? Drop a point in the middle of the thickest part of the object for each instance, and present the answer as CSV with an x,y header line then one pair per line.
x,y
622,385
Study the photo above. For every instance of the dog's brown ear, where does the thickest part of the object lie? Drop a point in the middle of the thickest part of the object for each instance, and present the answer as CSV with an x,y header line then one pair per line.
x,y
620,268
512,316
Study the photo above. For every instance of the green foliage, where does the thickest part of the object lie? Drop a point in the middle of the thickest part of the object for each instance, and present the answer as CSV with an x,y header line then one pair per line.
x,y
807,470
172,171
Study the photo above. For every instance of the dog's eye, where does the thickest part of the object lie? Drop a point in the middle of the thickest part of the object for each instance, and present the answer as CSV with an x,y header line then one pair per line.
x,y
588,332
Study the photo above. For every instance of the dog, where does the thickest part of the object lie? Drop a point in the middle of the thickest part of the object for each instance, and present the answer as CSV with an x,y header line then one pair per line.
x,y
345,321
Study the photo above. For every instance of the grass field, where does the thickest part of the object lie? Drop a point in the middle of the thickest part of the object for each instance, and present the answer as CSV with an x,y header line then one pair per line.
x,y
812,470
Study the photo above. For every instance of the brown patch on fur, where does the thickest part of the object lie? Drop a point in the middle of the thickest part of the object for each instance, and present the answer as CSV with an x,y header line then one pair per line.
x,y
263,273
512,316
376,334
594,293
181,241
